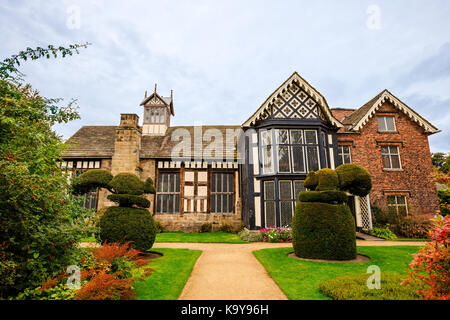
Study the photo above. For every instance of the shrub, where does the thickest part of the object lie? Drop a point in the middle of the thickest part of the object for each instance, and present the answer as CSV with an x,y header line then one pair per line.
x,y
415,226
328,179
206,227
380,217
430,267
105,286
384,233
354,179
120,224
330,196
354,287
159,227
323,231
226,227
127,183
277,234
444,201
251,236
91,180
128,200
312,181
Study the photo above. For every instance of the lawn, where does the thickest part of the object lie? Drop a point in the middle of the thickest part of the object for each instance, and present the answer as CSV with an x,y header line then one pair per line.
x,y
211,237
206,237
299,279
171,271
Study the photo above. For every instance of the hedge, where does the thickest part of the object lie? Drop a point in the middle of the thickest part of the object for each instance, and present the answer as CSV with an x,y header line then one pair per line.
x,y
128,200
323,231
330,196
121,224
354,179
90,180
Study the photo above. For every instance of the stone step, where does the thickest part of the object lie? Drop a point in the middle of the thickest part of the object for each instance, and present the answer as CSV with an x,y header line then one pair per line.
x,y
364,236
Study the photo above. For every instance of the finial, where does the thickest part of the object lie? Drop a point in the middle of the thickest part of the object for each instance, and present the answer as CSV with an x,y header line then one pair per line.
x,y
171,94
155,87
145,94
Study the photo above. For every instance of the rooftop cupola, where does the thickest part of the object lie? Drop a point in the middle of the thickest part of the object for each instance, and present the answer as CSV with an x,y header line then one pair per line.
x,y
157,112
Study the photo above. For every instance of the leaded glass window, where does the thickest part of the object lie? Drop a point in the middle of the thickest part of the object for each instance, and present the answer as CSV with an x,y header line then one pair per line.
x,y
168,193
222,192
391,157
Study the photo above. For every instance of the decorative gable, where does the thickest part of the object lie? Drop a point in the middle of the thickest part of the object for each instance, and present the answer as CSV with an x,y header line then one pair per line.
x,y
366,112
295,103
294,99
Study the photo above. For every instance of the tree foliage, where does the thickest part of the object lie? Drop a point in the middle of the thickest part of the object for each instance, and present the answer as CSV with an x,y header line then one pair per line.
x,y
40,222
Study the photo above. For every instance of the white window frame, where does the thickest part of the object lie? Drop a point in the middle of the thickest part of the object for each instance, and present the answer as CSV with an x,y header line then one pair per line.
x,y
396,205
385,124
342,154
389,154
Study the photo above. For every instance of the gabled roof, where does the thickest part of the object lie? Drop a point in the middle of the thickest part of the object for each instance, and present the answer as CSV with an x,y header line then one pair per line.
x,y
361,116
295,77
154,97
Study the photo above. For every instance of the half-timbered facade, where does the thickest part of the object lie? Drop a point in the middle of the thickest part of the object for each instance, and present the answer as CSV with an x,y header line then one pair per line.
x,y
254,171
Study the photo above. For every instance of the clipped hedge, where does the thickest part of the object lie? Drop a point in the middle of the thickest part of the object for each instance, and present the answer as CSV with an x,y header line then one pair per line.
x,y
127,183
128,200
330,196
354,287
312,181
354,179
323,231
121,224
90,180
327,180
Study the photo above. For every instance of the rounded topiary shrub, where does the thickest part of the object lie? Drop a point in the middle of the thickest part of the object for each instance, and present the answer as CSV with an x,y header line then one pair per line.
x,y
354,179
323,231
122,224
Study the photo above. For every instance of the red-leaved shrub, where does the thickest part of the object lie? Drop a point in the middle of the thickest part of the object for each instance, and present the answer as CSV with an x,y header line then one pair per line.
x,y
430,268
105,286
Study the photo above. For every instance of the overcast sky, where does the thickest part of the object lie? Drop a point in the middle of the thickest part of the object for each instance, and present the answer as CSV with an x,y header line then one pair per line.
x,y
224,58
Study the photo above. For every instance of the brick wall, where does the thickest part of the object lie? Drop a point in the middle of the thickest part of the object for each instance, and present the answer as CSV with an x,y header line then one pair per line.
x,y
414,180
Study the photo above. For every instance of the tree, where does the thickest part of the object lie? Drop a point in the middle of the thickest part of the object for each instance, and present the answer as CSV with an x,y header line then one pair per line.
x,y
38,233
441,161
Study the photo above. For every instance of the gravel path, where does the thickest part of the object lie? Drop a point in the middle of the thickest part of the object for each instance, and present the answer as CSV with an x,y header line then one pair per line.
x,y
231,272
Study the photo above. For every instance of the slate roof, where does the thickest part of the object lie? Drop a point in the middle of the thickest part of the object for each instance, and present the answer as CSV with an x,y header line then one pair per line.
x,y
361,112
92,141
98,141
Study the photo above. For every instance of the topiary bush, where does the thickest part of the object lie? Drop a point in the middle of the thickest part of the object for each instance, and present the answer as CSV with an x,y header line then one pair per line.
x,y
121,224
130,221
354,179
323,231
323,226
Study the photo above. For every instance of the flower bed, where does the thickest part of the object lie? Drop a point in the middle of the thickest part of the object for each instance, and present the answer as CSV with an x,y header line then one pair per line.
x,y
277,234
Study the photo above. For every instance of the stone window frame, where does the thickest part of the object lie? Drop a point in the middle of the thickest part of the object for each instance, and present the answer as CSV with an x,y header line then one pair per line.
x,y
385,129
389,156
396,205
342,154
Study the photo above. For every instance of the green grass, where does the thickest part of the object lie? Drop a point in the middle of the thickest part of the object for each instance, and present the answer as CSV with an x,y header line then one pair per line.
x,y
171,271
299,279
211,237
88,239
